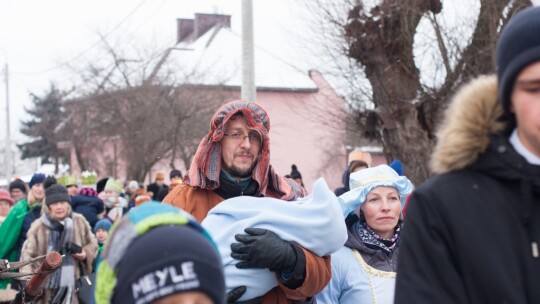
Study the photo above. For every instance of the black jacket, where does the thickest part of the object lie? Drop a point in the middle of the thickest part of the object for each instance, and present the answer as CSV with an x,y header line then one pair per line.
x,y
155,189
468,232
345,177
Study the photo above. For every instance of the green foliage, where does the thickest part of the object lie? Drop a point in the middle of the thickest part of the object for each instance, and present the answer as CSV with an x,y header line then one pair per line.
x,y
44,126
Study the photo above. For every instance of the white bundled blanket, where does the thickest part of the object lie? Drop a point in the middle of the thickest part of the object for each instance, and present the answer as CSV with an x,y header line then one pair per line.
x,y
315,222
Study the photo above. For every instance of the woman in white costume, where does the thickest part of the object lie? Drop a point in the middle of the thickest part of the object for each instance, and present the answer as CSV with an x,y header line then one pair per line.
x,y
363,271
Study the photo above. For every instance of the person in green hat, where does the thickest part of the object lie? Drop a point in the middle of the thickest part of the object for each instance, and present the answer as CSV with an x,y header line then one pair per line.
x,y
71,184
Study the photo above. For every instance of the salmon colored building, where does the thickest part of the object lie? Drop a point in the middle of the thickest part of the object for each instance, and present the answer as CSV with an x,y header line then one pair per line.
x,y
305,112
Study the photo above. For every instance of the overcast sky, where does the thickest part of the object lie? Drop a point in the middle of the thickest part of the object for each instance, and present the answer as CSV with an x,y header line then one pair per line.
x,y
37,37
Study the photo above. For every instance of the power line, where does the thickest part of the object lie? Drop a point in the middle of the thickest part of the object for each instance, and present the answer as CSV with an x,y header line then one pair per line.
x,y
89,48
149,16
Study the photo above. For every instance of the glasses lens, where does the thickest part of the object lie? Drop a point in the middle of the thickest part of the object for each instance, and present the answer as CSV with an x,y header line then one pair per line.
x,y
254,137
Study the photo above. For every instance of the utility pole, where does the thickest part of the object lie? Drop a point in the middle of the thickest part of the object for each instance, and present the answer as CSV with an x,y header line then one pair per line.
x,y
248,91
9,168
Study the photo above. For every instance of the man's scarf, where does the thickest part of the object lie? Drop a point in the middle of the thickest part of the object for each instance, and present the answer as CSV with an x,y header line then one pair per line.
x,y
62,281
206,164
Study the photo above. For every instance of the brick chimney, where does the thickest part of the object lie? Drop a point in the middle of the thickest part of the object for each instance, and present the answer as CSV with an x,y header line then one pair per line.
x,y
191,29
184,28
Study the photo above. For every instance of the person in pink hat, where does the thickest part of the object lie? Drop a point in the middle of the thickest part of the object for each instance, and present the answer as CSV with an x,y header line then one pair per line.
x,y
6,202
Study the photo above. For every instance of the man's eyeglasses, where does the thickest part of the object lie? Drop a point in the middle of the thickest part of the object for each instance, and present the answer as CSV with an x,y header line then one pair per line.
x,y
253,137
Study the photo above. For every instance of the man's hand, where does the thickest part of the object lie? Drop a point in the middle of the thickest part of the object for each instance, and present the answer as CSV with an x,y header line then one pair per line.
x,y
236,293
262,248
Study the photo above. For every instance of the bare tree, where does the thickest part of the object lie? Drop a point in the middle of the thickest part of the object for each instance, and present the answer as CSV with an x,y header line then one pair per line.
x,y
396,107
131,101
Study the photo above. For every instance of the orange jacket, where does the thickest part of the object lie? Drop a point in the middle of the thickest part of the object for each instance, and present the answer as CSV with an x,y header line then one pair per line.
x,y
198,202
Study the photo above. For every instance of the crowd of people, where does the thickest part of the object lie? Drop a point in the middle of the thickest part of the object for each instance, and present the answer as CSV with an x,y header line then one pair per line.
x,y
232,230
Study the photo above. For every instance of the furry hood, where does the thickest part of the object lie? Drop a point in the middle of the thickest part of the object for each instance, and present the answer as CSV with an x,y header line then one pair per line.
x,y
473,114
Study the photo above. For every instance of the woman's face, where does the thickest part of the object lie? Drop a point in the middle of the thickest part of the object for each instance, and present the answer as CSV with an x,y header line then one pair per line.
x,y
382,209
59,210
4,208
37,191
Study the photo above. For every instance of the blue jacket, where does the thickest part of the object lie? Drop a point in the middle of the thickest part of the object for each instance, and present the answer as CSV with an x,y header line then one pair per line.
x,y
33,214
88,206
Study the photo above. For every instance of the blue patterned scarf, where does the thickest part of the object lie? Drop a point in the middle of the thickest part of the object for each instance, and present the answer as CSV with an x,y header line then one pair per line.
x,y
371,239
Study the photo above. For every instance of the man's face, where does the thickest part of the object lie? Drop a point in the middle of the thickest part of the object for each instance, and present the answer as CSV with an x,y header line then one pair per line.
x,y
16,194
239,153
526,106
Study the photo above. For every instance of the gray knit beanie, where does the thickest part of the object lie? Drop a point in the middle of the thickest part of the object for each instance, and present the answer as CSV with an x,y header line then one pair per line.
x,y
56,193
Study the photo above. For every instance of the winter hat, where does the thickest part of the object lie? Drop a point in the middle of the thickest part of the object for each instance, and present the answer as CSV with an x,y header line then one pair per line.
x,y
175,174
5,196
517,47
56,193
37,178
363,181
88,179
90,192
136,255
114,185
187,259
160,175
67,180
295,173
104,224
133,185
100,186
18,184
397,166
49,180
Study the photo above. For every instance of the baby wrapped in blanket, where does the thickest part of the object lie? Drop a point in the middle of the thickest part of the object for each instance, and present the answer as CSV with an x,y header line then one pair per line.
x,y
315,222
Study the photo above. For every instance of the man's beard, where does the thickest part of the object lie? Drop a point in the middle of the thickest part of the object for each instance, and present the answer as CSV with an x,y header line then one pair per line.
x,y
234,171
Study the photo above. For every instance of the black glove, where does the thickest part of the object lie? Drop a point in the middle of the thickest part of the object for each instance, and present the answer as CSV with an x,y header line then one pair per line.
x,y
263,248
236,293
